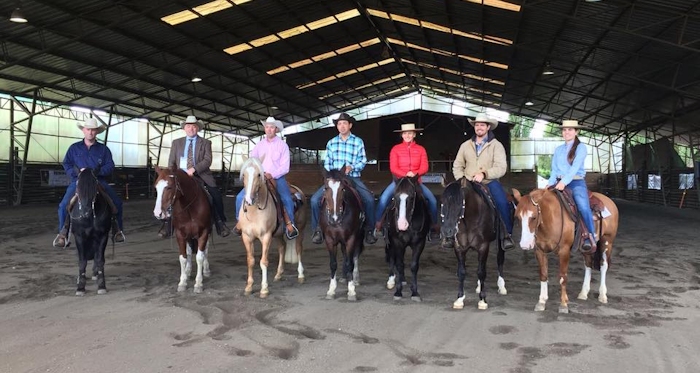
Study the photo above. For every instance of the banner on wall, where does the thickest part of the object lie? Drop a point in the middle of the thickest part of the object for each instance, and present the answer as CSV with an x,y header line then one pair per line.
x,y
54,178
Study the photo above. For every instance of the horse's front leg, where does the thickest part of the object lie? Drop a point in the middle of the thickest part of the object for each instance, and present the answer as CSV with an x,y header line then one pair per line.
x,y
206,271
299,246
586,286
544,292
482,257
400,270
415,260
266,241
181,243
500,259
280,263
603,295
391,262
564,256
82,267
99,263
248,242
201,258
349,266
461,274
333,263
188,265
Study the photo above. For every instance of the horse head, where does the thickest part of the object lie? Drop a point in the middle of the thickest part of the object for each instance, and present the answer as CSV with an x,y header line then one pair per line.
x,y
335,185
404,201
451,208
253,177
529,211
168,188
86,190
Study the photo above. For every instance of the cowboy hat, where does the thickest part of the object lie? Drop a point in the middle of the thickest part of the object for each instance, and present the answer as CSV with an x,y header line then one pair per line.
x,y
344,116
483,118
191,119
272,120
570,123
91,123
408,127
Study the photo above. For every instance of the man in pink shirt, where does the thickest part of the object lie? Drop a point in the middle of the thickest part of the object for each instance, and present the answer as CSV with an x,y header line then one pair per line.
x,y
274,153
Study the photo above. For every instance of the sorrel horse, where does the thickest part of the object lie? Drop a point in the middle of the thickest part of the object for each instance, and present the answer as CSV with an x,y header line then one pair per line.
x,y
547,228
90,222
184,201
341,222
474,223
261,220
408,224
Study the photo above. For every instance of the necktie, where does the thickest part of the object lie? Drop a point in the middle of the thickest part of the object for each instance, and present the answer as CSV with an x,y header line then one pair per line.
x,y
190,156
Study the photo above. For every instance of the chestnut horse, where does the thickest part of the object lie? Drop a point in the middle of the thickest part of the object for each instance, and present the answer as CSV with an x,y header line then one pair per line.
x,y
259,220
547,228
341,223
184,201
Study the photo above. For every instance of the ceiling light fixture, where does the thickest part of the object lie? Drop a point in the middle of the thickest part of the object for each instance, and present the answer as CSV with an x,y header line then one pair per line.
x,y
18,16
529,103
196,79
274,107
547,69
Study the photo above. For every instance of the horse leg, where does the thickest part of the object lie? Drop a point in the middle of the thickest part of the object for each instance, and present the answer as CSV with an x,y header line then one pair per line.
x,y
603,290
205,264
349,267
564,256
483,256
99,263
299,246
182,285
356,268
500,259
415,259
82,265
461,274
266,241
201,257
400,271
248,242
544,292
188,265
391,261
280,264
586,287
333,262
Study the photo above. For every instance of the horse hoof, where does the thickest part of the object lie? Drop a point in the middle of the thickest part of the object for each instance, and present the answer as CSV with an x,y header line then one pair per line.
x,y
264,293
503,291
563,309
94,278
330,296
539,307
582,296
277,278
248,291
352,298
482,305
101,291
181,288
416,298
457,306
301,280
603,299
396,297
206,274
80,293
390,286
198,289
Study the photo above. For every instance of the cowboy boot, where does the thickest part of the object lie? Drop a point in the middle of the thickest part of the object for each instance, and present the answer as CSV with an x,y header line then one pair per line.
x,y
61,241
434,233
370,238
588,246
508,243
378,229
317,238
165,230
292,231
221,228
118,235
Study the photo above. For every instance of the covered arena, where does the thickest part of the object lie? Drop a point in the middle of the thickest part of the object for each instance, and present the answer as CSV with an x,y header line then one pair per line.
x,y
629,70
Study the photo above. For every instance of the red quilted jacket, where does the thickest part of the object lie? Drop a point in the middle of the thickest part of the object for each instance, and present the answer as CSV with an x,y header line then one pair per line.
x,y
405,157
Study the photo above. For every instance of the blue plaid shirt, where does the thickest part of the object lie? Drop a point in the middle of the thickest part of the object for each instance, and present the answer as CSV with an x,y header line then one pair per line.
x,y
350,152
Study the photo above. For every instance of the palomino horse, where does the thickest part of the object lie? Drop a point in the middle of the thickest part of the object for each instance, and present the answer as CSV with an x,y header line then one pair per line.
x,y
474,223
408,224
341,223
90,223
184,201
260,220
547,228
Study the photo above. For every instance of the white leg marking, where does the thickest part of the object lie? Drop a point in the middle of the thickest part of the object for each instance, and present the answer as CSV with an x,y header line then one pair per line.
x,y
391,282
544,295
264,287
206,271
351,291
331,288
603,296
198,285
182,285
586,287
502,286
478,286
459,303
188,266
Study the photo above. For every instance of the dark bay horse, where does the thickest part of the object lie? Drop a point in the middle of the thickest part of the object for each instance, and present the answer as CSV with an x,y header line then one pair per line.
x,y
90,222
547,228
259,220
181,198
473,222
341,223
408,223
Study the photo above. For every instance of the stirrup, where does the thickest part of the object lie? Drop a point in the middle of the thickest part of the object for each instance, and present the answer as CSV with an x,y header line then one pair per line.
x,y
119,237
294,233
56,243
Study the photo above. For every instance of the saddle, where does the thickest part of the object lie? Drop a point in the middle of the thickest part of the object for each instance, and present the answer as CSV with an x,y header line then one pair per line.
x,y
566,199
485,194
282,215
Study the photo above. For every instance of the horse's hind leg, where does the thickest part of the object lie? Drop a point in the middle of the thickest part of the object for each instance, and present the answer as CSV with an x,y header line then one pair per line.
x,y
483,255
82,265
266,241
500,259
299,246
201,258
188,265
280,264
391,262
461,274
605,259
100,265
399,270
206,271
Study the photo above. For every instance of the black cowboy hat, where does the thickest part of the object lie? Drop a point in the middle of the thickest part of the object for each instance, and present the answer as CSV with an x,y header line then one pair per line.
x,y
344,116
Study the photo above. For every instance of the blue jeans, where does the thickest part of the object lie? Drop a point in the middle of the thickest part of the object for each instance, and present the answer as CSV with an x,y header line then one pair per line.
x,y
70,192
579,190
501,202
284,193
389,192
365,195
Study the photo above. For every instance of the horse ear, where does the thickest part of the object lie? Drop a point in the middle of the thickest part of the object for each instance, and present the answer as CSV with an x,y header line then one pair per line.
x,y
516,194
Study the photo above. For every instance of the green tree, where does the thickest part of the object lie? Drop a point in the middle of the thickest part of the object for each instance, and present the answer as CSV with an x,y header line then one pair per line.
x,y
544,165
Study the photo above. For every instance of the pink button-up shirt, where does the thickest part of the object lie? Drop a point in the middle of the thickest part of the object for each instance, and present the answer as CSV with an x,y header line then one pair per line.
x,y
275,156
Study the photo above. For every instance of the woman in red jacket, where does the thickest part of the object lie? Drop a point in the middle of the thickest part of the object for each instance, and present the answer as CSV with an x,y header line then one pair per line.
x,y
407,159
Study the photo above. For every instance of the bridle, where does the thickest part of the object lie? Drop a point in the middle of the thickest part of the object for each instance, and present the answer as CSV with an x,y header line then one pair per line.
x,y
92,203
341,208
395,205
178,189
256,197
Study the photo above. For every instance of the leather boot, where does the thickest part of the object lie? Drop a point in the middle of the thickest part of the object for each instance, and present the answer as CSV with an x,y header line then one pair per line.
x,y
221,229
370,239
317,238
508,243
165,230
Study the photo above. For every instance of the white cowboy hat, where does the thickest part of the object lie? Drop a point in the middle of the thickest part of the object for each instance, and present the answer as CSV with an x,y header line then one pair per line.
x,y
408,127
571,124
272,120
483,118
91,123
191,119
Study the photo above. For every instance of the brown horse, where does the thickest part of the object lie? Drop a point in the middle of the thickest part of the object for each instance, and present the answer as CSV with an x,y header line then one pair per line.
x,y
547,228
259,220
181,198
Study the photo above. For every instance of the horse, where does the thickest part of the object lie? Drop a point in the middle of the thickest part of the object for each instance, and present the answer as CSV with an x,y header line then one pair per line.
x,y
547,228
90,222
408,224
474,223
184,201
341,223
260,219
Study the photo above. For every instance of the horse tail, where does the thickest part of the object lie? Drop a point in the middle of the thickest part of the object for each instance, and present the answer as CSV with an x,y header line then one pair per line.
x,y
86,187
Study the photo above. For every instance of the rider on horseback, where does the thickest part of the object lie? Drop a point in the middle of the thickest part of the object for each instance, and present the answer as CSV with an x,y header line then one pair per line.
x,y
482,159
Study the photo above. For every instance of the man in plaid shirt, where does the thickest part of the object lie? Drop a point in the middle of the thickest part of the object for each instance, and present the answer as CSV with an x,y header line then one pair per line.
x,y
345,151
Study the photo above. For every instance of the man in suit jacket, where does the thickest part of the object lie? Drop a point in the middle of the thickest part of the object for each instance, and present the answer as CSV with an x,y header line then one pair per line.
x,y
193,155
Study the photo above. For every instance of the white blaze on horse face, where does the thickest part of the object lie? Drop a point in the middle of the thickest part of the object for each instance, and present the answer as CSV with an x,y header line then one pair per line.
x,y
527,237
334,185
248,184
158,209
402,223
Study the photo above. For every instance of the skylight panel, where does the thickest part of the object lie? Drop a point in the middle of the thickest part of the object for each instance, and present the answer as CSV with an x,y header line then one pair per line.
x,y
347,73
497,4
374,83
204,9
447,53
455,72
324,56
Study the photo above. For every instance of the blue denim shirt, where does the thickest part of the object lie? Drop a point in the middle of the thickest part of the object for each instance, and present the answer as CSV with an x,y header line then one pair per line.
x,y
98,157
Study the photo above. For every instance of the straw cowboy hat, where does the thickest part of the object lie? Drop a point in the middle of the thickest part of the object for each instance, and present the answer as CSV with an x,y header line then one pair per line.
x,y
571,124
344,116
483,118
191,119
272,120
408,127
91,123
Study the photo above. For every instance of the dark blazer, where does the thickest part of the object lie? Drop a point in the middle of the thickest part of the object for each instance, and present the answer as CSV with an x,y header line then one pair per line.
x,y
202,155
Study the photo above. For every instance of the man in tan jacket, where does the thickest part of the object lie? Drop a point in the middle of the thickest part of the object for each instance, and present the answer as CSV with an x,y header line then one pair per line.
x,y
482,159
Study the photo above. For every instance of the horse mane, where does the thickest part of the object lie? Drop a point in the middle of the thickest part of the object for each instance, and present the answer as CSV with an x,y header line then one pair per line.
x,y
452,198
86,187
336,175
255,162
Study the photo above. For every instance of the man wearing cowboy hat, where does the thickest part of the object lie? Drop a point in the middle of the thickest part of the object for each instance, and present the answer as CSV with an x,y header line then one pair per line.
x,y
345,151
88,153
275,155
193,155
482,159
407,159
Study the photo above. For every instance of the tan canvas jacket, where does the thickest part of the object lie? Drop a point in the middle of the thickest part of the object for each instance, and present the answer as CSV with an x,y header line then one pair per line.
x,y
492,161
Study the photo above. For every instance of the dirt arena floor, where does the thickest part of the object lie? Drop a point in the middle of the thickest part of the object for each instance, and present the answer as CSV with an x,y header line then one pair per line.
x,y
651,324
